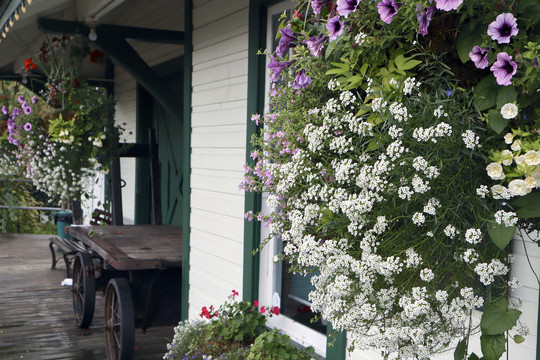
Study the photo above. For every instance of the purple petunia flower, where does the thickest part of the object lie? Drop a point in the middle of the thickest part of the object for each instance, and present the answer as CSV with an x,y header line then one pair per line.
x,y
335,27
277,67
10,125
424,18
317,5
504,26
4,110
286,41
27,126
345,7
387,10
301,80
316,44
20,99
16,112
34,99
504,69
447,5
27,110
479,56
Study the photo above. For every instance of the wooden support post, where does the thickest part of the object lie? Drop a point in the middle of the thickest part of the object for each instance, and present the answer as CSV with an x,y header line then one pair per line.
x,y
77,212
155,182
116,190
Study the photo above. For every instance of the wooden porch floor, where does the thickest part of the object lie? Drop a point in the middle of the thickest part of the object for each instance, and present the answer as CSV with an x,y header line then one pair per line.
x,y
36,321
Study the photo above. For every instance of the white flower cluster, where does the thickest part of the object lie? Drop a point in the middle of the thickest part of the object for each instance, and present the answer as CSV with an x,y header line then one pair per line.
x,y
470,139
432,133
506,218
487,272
409,84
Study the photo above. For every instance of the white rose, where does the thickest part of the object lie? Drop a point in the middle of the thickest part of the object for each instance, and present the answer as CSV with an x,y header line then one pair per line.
x,y
495,171
508,138
532,157
507,157
530,182
516,145
509,111
518,187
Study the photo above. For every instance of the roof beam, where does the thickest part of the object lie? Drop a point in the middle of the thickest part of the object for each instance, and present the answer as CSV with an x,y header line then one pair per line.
x,y
124,32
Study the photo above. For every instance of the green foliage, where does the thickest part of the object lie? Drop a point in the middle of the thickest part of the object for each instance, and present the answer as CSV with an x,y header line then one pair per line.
x,y
273,345
236,331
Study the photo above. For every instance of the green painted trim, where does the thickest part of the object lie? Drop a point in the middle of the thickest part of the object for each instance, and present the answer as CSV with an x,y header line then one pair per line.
x,y
186,166
336,344
255,104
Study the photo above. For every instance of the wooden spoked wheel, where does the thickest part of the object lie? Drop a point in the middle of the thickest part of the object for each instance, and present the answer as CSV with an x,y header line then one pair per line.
x,y
119,320
83,289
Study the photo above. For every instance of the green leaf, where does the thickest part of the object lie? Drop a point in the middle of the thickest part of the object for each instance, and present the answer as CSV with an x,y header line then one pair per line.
x,y
373,145
473,356
403,63
505,95
498,318
459,353
496,122
468,37
484,97
528,10
518,339
528,205
500,235
493,346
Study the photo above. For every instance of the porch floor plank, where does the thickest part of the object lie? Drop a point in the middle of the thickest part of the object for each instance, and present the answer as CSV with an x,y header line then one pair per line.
x,y
36,320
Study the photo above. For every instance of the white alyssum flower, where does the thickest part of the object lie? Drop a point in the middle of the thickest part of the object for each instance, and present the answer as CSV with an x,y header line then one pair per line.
x,y
506,218
418,218
439,112
473,236
409,84
470,139
482,191
530,182
450,231
470,256
487,272
509,111
495,171
427,275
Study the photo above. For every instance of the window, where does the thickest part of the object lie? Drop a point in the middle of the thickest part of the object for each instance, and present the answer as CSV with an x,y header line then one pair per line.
x,y
278,286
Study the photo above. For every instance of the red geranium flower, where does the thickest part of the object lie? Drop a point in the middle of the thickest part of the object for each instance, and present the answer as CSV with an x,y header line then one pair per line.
x,y
29,64
275,310
95,55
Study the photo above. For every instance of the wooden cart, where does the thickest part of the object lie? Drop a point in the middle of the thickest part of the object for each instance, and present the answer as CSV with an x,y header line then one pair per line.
x,y
139,269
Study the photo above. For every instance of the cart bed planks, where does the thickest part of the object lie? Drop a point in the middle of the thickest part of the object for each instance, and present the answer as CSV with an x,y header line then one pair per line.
x,y
133,247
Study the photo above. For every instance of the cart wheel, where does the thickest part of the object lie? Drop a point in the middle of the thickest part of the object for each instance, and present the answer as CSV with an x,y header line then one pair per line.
x,y
119,320
84,289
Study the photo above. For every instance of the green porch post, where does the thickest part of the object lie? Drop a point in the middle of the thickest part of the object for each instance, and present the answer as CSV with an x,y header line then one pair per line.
x,y
186,166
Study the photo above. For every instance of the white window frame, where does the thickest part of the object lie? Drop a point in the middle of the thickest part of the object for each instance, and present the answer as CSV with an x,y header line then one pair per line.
x,y
269,272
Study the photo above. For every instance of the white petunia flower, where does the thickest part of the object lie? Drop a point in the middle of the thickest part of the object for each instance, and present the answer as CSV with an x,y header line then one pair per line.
x,y
495,171
518,187
516,145
532,157
509,138
509,111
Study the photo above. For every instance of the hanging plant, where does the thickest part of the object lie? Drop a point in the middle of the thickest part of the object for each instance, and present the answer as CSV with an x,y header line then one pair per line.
x,y
378,161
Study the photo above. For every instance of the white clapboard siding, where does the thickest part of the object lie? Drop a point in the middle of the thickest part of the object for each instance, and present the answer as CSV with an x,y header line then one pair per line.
x,y
167,15
527,292
218,140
